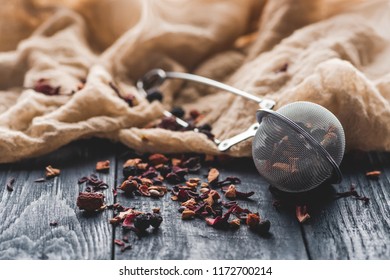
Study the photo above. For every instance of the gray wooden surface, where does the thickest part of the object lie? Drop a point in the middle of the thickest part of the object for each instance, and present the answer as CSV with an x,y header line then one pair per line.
x,y
343,228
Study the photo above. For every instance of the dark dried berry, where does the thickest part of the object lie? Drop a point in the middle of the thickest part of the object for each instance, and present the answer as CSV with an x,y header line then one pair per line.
x,y
142,222
155,220
178,112
129,171
262,227
154,95
205,127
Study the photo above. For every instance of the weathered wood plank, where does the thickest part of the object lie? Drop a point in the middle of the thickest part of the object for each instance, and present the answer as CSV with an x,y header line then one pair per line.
x,y
346,228
178,239
26,212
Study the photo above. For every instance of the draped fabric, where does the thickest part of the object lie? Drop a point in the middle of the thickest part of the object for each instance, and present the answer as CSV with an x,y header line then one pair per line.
x,y
59,60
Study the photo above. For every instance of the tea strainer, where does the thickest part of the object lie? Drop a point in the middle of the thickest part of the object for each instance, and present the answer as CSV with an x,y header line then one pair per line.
x,y
296,148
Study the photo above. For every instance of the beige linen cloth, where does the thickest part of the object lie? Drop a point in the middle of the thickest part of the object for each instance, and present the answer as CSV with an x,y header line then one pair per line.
x,y
334,53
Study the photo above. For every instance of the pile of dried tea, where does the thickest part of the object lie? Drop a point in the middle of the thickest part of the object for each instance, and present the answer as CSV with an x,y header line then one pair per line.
x,y
204,199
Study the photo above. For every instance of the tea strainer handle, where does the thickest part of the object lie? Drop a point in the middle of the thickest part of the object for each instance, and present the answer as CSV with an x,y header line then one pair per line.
x,y
228,143
156,77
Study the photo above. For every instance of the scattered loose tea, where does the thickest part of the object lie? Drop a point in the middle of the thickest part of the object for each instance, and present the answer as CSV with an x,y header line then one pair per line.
x,y
90,201
353,192
10,183
52,172
103,166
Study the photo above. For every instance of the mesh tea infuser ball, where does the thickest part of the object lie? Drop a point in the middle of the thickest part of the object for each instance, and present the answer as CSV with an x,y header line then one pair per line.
x,y
295,148
298,147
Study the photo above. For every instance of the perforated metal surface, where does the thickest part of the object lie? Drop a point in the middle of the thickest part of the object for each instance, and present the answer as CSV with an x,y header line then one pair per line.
x,y
290,157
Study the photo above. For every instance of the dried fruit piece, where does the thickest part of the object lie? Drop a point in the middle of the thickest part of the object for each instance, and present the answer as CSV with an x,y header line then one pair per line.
x,y
263,227
301,213
282,166
157,159
52,172
235,223
90,201
188,203
103,166
144,190
154,193
132,162
213,176
373,174
253,219
129,186
155,220
187,214
142,222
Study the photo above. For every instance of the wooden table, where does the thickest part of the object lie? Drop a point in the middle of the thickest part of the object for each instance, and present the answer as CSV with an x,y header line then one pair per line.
x,y
343,228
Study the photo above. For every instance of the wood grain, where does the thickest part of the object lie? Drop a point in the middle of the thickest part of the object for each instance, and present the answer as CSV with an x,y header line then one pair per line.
x,y
178,239
341,228
25,213
346,228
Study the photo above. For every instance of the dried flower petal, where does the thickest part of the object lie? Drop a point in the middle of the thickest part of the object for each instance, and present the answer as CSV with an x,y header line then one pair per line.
x,y
132,162
373,174
103,166
213,176
52,172
301,213
235,223
187,214
119,242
